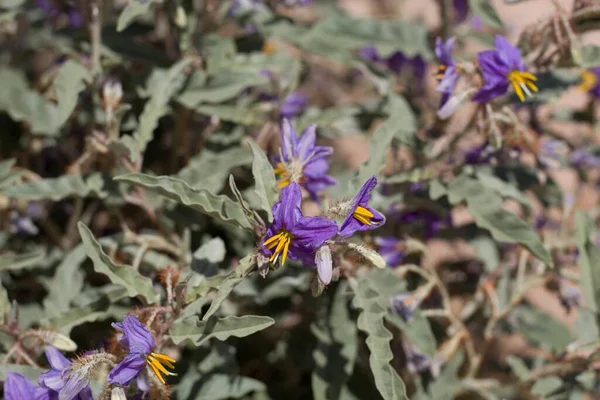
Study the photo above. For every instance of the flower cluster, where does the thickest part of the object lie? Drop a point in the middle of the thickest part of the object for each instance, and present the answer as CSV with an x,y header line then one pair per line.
x,y
303,164
67,380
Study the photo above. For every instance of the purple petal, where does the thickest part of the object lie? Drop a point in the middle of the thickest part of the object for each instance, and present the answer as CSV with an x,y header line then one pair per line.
x,y
312,232
142,382
447,83
293,105
352,225
85,394
386,242
139,337
396,62
306,143
490,65
17,387
288,140
127,370
314,186
509,54
369,53
74,386
56,359
393,258
364,194
288,212
51,380
488,93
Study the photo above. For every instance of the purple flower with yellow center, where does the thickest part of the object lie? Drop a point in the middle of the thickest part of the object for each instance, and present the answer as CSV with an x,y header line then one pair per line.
x,y
447,74
70,385
360,216
391,249
140,344
590,81
502,68
17,387
292,235
302,161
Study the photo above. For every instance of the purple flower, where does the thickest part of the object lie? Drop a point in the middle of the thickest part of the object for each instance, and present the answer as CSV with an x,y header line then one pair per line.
x,y
17,387
447,74
302,161
293,105
140,344
502,68
54,10
360,216
396,62
404,304
584,159
431,221
60,379
590,81
391,249
293,235
461,9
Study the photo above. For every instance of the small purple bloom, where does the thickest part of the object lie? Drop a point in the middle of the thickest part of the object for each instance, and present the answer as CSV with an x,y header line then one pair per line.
x,y
431,221
55,9
391,249
69,384
590,81
396,62
17,387
140,344
404,304
293,105
584,159
292,234
360,216
501,68
447,74
461,9
302,161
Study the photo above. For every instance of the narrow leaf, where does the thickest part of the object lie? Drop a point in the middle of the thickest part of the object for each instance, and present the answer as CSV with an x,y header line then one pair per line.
x,y
589,261
264,180
221,328
58,188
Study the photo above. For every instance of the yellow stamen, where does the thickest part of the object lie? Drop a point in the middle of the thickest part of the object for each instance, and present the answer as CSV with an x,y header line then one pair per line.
x,y
441,72
281,171
363,215
281,243
157,363
589,80
522,83
268,47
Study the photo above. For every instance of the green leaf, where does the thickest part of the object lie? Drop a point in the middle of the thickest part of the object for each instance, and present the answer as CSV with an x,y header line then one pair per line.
x,y
155,108
195,386
340,37
589,261
485,10
518,367
373,305
124,275
485,205
336,350
244,268
447,384
540,328
247,115
132,10
218,206
13,262
4,303
71,79
7,174
67,282
503,188
221,328
546,386
58,188
264,180
31,373
417,330
586,56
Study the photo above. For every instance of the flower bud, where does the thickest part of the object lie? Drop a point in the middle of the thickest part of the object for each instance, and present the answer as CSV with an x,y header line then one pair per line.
x,y
63,343
371,256
112,92
324,264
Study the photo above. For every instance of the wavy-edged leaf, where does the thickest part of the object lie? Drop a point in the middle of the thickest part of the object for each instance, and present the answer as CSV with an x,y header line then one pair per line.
x,y
197,386
58,188
589,261
124,275
67,282
264,180
154,109
540,328
485,10
13,262
546,385
337,347
132,10
418,331
217,206
373,307
448,383
220,328
71,79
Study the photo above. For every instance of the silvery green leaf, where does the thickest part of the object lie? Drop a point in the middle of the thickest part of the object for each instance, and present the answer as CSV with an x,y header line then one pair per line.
x,y
209,169
124,275
7,175
586,56
67,282
155,108
373,305
9,4
244,268
12,262
218,206
518,367
27,371
336,350
58,188
418,331
546,385
447,384
503,188
415,175
487,251
132,10
540,328
326,118
196,386
208,256
586,326
71,79
264,180
247,115
22,103
4,303
220,328
589,261
485,10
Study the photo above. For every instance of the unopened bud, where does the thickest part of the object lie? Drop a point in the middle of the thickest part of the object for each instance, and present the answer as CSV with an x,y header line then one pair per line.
x,y
371,256
112,93
324,264
180,17
413,246
64,343
118,394
448,109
